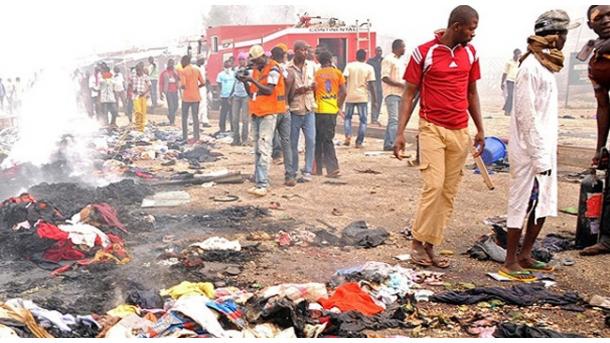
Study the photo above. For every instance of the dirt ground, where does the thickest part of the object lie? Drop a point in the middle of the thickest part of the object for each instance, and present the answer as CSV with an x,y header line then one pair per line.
x,y
388,200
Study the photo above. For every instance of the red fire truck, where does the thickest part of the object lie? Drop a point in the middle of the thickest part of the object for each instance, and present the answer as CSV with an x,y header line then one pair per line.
x,y
341,40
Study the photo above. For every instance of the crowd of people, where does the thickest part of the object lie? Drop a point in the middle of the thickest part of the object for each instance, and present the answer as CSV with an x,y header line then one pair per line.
x,y
11,95
269,98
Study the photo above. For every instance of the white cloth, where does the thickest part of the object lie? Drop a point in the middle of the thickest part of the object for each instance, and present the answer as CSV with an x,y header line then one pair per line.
x,y
532,147
194,306
119,81
218,243
80,233
203,105
94,85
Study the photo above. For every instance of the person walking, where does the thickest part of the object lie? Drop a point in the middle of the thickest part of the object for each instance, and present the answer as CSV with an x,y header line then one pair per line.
x,y
360,79
191,80
508,80
445,71
169,84
392,71
375,62
330,95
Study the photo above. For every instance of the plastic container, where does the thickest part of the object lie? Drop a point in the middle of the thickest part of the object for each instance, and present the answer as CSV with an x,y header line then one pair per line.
x,y
495,150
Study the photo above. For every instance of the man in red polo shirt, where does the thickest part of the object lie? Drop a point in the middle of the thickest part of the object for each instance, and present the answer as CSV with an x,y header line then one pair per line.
x,y
444,71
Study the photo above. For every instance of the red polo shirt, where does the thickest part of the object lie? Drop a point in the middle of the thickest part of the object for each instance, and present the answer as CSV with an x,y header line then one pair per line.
x,y
443,75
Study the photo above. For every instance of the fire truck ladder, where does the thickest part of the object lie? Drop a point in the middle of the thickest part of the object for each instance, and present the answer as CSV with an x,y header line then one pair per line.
x,y
361,39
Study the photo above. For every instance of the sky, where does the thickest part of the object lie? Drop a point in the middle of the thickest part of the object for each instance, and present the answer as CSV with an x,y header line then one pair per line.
x,y
40,33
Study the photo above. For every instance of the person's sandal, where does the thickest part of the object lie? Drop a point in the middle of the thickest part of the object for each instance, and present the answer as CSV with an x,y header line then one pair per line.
x,y
422,262
539,266
521,276
335,174
441,262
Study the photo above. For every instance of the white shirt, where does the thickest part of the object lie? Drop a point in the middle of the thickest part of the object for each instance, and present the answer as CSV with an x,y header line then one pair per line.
x,y
532,147
119,82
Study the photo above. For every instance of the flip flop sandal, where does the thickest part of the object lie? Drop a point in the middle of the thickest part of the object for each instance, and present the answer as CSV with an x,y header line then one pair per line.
x,y
442,263
521,276
421,262
539,266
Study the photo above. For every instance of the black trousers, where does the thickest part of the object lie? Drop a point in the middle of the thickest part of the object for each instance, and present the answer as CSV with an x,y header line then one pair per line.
x,y
325,148
194,106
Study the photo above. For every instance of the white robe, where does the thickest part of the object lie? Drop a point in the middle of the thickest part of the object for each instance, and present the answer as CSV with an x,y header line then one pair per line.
x,y
532,147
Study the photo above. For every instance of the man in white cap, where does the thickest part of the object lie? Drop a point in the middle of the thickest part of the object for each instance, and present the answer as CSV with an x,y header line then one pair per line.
x,y
267,100
532,193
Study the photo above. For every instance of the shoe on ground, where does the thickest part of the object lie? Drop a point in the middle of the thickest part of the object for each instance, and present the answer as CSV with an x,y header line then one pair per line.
x,y
358,145
307,177
347,141
290,182
334,174
206,125
260,192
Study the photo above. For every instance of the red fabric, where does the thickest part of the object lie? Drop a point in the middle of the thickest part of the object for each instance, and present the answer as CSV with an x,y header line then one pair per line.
x,y
165,85
350,297
63,251
443,76
109,215
50,231
23,198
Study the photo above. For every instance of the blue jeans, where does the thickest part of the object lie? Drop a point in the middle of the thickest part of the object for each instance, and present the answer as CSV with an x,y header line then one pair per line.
x,y
349,112
307,123
393,103
263,129
281,144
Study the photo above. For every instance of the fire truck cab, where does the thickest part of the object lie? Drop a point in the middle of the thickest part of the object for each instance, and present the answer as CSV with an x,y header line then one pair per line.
x,y
224,42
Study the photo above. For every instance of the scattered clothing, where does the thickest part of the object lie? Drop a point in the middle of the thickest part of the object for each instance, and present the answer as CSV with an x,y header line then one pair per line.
x,y
360,234
521,295
351,324
189,288
350,297
510,330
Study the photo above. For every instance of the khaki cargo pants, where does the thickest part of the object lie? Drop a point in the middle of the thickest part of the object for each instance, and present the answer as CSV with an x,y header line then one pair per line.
x,y
443,153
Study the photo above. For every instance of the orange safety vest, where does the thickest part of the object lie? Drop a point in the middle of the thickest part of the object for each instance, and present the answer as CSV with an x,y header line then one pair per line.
x,y
261,105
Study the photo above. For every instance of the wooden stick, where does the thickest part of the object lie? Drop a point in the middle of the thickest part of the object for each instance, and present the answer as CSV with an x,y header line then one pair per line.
x,y
484,173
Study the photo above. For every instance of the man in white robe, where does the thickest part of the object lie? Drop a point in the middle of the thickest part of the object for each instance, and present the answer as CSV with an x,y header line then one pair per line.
x,y
533,144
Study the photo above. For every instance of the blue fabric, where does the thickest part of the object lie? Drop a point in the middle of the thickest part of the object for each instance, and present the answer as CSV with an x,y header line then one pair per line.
x,y
307,123
240,90
226,79
393,103
362,112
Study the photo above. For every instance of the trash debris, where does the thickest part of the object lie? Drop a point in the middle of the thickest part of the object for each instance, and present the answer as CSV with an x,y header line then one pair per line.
x,y
600,301
360,234
167,199
368,171
570,210
404,257
284,239
218,243
510,330
225,198
521,295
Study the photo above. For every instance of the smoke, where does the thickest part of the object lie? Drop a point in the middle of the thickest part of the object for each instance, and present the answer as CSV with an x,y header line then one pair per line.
x,y
49,111
57,141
